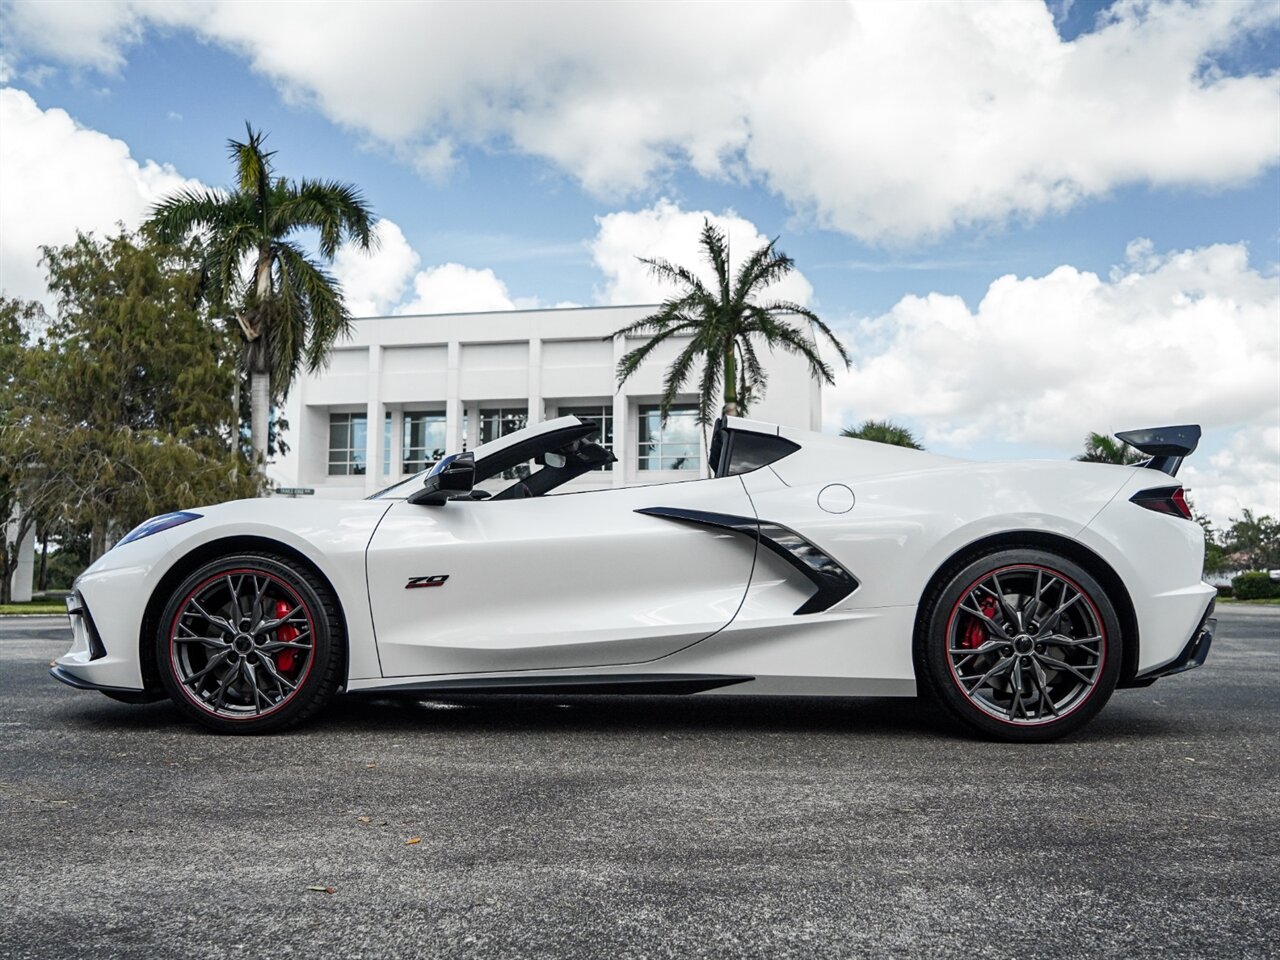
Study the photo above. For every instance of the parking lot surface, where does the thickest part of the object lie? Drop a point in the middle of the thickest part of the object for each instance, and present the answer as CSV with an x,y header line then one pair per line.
x,y
631,827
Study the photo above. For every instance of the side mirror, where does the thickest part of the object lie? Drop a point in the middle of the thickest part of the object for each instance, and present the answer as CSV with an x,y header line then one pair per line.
x,y
454,476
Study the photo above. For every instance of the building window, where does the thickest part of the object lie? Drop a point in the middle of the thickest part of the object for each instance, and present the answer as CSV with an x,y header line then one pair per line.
x,y
424,441
500,421
600,416
348,443
673,447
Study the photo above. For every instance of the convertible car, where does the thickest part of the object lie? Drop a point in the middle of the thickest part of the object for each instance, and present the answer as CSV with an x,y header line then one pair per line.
x,y
1017,595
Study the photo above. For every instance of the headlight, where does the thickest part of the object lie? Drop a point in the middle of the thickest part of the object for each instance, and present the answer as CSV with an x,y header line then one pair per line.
x,y
156,524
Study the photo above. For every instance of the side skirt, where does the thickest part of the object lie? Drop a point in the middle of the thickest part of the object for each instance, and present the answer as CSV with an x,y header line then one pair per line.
x,y
622,684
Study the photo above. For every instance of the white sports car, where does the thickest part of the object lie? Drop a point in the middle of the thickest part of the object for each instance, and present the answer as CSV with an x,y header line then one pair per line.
x,y
1018,595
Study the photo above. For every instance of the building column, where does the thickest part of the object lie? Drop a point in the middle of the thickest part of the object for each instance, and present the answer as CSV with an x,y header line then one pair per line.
x,y
453,412
621,415
536,412
396,471
375,414
471,413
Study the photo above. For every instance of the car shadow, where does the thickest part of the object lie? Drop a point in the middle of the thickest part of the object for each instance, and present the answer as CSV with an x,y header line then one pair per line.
x,y
361,714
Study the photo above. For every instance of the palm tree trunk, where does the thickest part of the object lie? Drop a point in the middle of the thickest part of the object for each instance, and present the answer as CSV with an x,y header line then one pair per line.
x,y
260,410
730,383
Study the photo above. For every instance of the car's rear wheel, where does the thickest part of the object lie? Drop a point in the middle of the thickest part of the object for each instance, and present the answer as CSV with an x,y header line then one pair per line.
x,y
1020,644
250,643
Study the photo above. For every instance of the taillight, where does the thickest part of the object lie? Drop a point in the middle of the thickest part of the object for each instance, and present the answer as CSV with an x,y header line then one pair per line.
x,y
1170,500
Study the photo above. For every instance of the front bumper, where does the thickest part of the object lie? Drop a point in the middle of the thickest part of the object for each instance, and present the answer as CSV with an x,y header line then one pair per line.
x,y
1192,655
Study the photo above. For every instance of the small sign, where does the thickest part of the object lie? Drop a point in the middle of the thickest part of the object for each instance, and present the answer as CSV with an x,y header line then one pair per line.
x,y
294,491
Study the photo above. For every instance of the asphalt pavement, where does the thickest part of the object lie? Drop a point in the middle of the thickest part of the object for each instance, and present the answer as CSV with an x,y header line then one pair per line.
x,y
634,827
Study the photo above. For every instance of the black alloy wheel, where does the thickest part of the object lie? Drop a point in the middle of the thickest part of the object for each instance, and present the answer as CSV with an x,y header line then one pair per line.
x,y
250,643
1020,644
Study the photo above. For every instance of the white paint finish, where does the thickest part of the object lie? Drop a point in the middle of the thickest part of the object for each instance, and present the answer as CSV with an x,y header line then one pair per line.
x,y
870,644
572,580
415,360
1160,559
332,535
577,354
415,375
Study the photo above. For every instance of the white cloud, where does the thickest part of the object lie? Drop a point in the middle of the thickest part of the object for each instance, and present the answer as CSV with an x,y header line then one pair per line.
x,y
1191,336
453,288
375,282
890,122
666,231
57,177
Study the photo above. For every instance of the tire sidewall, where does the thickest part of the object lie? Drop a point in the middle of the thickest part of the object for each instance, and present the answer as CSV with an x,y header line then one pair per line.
x,y
313,684
934,662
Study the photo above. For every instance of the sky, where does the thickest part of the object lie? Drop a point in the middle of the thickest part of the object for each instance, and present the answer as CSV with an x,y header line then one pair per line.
x,y
1026,221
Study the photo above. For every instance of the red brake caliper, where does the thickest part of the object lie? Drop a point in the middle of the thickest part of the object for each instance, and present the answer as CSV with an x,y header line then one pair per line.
x,y
975,634
285,658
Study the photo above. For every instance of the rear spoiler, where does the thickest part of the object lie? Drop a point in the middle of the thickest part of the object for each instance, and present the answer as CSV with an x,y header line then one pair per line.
x,y
1167,446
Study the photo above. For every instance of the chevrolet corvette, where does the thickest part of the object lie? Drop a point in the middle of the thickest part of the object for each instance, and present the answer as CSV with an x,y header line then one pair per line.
x,y
1017,595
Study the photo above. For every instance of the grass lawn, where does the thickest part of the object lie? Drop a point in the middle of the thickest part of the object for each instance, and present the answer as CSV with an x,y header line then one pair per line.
x,y
1270,601
32,607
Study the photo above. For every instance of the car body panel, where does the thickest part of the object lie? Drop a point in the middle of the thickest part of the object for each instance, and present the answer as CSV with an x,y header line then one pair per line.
x,y
332,535
562,581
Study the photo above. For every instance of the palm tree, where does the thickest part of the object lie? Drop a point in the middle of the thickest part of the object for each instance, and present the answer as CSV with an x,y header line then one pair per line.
x,y
1100,448
883,431
289,307
725,325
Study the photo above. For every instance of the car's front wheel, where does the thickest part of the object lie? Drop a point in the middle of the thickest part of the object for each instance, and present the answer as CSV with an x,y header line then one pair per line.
x,y
250,643
1020,644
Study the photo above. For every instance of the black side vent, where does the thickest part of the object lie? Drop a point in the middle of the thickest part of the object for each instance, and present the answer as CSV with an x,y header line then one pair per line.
x,y
833,581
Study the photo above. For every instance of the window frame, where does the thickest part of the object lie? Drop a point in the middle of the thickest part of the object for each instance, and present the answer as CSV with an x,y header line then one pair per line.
x,y
355,454
651,450
408,465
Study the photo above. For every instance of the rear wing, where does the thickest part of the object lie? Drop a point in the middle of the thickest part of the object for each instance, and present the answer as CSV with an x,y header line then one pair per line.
x,y
1167,446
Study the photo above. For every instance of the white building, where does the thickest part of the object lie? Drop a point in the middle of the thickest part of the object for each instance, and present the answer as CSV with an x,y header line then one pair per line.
x,y
447,382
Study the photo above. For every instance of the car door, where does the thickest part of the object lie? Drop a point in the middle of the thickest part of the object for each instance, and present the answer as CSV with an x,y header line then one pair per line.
x,y
573,580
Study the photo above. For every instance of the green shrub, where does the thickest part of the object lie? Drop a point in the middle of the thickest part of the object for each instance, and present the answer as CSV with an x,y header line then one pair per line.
x,y
1255,586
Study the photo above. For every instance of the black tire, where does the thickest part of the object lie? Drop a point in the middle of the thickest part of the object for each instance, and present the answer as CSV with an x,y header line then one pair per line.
x,y
972,645
230,673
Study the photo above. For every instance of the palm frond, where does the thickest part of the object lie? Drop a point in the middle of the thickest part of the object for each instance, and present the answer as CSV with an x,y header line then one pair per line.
x,y
716,244
778,333
674,380
253,165
753,375
775,307
187,211
337,210
632,359
665,270
754,269
709,386
326,318
670,314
